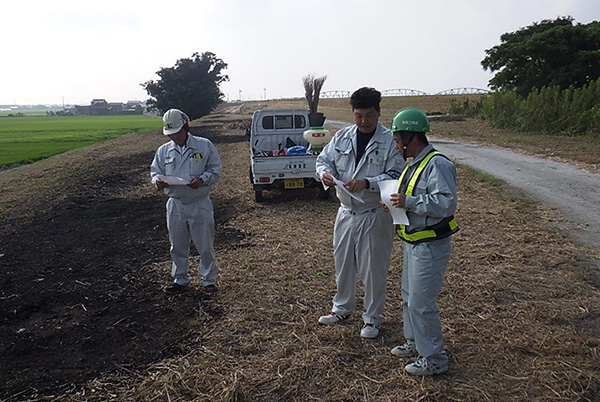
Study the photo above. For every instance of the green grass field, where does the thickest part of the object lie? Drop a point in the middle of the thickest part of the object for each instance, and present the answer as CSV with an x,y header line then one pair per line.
x,y
28,139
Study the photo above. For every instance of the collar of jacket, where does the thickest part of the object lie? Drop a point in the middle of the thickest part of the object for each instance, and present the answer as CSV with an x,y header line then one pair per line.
x,y
379,136
189,144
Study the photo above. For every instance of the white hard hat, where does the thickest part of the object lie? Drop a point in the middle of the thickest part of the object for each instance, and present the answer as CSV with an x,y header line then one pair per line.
x,y
173,120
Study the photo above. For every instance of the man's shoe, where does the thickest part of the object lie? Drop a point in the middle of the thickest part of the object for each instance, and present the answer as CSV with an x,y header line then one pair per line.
x,y
174,289
425,366
210,289
407,350
370,331
333,318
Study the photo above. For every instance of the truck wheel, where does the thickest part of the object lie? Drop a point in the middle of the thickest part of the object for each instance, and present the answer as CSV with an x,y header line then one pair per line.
x,y
258,196
324,194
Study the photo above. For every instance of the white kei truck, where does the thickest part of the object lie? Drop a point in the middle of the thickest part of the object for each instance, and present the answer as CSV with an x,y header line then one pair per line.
x,y
273,133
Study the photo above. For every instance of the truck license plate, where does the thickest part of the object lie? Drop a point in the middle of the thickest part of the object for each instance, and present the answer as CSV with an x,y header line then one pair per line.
x,y
293,183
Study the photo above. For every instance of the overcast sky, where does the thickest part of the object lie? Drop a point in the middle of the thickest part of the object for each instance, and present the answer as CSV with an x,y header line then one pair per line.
x,y
74,51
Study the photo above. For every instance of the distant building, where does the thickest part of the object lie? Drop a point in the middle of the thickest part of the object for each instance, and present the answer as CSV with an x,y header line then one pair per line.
x,y
100,107
133,107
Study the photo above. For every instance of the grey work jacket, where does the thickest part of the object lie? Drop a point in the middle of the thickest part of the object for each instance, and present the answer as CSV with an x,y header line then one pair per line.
x,y
200,159
380,161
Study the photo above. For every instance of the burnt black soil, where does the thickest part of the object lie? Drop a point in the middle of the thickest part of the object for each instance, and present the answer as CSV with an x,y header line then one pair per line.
x,y
80,289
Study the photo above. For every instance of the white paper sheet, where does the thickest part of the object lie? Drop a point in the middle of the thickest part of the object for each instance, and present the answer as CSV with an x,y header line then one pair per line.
x,y
340,184
387,188
172,180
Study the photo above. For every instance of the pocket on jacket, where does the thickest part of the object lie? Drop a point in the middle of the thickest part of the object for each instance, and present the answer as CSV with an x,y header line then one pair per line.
x,y
376,166
170,167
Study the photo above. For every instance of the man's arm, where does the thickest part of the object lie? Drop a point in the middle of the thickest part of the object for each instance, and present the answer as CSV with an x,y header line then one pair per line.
x,y
213,167
157,168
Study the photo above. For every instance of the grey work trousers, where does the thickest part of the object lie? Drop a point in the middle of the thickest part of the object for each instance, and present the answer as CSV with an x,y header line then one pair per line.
x,y
362,246
193,221
422,277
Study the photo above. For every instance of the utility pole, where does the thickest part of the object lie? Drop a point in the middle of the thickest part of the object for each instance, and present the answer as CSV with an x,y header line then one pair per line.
x,y
265,93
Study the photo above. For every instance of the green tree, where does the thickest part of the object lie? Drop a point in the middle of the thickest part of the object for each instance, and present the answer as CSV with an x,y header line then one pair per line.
x,y
549,53
192,85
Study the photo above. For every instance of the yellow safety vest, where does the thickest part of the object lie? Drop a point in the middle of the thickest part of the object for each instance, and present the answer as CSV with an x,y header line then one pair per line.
x,y
444,228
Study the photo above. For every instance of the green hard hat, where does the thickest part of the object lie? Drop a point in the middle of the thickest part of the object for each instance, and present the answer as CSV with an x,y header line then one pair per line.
x,y
410,119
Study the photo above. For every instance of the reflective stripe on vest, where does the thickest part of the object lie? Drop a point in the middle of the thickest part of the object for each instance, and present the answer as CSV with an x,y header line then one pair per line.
x,y
444,228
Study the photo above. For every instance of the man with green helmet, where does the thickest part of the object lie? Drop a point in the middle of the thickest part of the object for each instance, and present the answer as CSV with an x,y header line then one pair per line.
x,y
427,192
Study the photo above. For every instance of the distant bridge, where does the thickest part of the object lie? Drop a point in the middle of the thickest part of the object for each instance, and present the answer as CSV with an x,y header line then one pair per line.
x,y
335,94
409,92
464,91
403,92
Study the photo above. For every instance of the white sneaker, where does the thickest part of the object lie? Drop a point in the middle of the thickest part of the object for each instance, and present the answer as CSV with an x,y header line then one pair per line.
x,y
333,318
370,331
425,366
407,350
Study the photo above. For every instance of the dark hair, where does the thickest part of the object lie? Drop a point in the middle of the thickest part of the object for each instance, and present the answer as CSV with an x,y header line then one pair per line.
x,y
365,98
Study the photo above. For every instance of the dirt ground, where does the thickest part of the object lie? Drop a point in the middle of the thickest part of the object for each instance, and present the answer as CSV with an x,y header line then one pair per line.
x,y
84,255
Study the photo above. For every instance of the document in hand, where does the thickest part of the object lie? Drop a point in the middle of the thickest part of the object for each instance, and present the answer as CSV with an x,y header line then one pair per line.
x,y
172,180
340,184
387,188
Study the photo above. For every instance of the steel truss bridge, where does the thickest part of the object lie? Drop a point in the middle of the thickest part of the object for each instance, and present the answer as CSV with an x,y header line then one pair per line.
x,y
464,91
408,92
335,94
403,92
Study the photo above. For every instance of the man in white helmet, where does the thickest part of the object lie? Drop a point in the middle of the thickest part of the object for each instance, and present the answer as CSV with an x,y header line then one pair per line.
x,y
189,208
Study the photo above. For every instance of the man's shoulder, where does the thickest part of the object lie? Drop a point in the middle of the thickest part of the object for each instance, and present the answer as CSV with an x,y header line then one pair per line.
x,y
200,140
382,133
167,146
441,161
348,130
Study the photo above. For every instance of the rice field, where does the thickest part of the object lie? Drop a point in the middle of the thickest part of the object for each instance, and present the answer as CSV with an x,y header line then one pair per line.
x,y
28,139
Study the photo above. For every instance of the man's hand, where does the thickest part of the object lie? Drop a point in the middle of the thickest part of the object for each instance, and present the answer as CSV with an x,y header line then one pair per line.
x,y
398,200
195,183
355,185
384,207
328,179
160,184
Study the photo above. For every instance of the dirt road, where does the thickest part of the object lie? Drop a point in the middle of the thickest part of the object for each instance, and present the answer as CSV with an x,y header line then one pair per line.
x,y
574,192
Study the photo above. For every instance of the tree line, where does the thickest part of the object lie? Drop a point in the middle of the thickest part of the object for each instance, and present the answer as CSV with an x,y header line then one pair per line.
x,y
547,79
